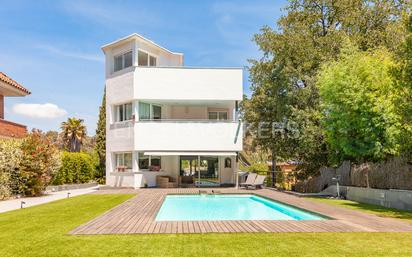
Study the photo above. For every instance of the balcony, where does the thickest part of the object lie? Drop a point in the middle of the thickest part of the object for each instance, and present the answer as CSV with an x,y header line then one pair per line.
x,y
188,135
163,83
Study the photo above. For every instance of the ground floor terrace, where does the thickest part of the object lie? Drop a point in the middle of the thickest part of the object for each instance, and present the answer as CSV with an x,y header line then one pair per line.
x,y
140,169
138,216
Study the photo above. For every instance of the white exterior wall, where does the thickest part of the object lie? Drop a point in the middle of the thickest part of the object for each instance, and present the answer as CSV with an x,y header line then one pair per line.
x,y
188,84
197,90
188,136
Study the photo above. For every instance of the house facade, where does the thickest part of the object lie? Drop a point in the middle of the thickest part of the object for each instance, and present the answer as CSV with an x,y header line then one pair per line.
x,y
10,88
167,124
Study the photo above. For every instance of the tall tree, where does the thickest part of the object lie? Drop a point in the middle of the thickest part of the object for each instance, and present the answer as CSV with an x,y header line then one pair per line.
x,y
359,102
312,32
101,136
73,134
405,99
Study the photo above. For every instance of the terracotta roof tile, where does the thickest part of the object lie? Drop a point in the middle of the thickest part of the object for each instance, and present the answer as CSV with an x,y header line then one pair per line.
x,y
11,82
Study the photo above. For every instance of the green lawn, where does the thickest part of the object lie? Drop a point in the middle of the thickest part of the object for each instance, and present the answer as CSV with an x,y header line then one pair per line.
x,y
41,231
369,208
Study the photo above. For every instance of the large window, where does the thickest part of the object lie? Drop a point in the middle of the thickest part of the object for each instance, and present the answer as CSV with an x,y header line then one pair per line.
x,y
123,112
149,111
144,111
157,112
123,161
149,162
123,61
145,59
217,115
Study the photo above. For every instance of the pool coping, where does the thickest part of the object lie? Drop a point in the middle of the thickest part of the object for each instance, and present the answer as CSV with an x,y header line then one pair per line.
x,y
246,193
138,216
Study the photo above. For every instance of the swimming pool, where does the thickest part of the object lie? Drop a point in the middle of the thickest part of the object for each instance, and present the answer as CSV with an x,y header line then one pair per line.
x,y
228,207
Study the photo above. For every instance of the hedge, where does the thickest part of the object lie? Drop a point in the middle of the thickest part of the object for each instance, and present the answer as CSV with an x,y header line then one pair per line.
x,y
76,168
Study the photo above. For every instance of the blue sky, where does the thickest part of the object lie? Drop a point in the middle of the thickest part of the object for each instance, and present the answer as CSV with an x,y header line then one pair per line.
x,y
53,47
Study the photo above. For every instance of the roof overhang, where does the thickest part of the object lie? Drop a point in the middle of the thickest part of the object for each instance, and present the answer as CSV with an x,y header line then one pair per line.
x,y
135,36
9,90
208,153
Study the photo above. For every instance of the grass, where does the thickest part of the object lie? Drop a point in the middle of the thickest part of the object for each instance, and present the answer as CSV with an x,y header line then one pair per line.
x,y
369,208
42,231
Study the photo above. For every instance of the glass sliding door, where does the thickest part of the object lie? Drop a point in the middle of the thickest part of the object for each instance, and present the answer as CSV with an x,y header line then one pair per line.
x,y
203,171
209,172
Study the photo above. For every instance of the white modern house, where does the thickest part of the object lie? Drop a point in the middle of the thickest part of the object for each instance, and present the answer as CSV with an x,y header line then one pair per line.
x,y
165,119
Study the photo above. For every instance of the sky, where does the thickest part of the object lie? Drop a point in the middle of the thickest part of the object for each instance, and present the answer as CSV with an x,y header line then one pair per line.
x,y
53,48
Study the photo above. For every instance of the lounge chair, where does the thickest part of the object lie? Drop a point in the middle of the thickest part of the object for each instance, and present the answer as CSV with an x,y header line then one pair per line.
x,y
260,179
249,180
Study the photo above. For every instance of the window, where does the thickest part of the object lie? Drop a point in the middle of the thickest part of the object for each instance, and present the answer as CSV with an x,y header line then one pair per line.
x,y
118,63
157,112
123,161
155,163
149,162
228,163
144,59
222,115
123,112
123,61
144,111
149,111
152,61
217,115
143,161
128,59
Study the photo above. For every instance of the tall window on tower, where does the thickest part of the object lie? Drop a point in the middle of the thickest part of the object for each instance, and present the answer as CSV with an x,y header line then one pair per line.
x,y
123,61
146,59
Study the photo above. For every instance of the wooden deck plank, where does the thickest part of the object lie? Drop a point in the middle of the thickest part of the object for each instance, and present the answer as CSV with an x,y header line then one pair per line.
x,y
138,215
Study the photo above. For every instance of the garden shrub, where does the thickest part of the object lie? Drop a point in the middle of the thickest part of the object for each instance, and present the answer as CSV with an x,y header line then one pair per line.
x,y
75,168
260,168
10,158
40,161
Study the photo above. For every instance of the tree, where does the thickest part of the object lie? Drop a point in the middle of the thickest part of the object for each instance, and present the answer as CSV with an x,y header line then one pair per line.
x,y
267,110
403,76
311,33
359,95
73,133
101,136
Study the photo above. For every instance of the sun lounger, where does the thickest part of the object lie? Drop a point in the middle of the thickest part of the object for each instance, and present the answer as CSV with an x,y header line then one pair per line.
x,y
260,179
249,180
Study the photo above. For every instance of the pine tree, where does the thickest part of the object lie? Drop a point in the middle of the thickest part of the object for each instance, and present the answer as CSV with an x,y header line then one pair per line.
x,y
101,137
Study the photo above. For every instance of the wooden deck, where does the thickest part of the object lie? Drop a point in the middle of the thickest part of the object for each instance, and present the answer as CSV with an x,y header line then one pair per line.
x,y
137,216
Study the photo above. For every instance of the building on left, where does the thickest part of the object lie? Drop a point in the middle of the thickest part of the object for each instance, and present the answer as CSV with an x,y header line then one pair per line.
x,y
10,88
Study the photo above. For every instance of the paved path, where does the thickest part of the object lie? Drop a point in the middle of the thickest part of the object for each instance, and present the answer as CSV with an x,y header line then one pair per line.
x,y
137,216
9,205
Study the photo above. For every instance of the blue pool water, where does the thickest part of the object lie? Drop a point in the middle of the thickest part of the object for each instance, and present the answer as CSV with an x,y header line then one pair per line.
x,y
228,207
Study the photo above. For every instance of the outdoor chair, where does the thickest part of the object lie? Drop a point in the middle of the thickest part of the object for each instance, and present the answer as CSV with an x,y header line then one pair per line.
x,y
258,183
251,177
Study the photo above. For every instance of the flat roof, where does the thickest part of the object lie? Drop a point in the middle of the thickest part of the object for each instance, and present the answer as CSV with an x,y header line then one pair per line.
x,y
136,36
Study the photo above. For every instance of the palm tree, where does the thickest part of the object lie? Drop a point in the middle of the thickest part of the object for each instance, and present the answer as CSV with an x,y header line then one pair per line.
x,y
73,133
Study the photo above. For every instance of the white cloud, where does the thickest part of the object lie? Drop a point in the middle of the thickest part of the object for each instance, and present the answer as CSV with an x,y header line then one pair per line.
x,y
70,54
47,110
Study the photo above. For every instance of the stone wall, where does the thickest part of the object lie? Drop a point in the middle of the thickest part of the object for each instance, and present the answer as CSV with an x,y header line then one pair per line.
x,y
398,199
